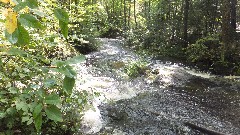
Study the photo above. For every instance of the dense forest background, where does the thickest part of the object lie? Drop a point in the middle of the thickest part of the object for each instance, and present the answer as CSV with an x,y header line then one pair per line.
x,y
40,36
203,32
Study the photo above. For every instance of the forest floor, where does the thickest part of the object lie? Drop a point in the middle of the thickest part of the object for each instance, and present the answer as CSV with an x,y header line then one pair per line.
x,y
154,103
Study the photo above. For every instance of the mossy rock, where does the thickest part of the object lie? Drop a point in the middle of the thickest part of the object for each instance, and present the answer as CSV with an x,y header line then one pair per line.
x,y
112,33
117,65
85,46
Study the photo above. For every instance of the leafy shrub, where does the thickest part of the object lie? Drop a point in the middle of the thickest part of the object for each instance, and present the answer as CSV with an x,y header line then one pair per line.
x,y
204,50
174,51
72,110
35,97
135,69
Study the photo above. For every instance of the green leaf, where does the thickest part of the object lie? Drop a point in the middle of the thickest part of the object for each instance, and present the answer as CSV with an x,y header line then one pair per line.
x,y
2,115
68,84
30,121
11,111
32,3
49,82
13,90
76,59
67,71
2,20
23,38
25,118
20,6
63,18
21,105
61,15
59,63
12,38
38,122
3,92
37,110
16,51
39,13
32,106
53,99
54,113
29,21
3,100
64,28
71,71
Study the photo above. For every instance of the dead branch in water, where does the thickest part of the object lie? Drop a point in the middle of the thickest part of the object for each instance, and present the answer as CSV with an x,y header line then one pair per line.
x,y
203,129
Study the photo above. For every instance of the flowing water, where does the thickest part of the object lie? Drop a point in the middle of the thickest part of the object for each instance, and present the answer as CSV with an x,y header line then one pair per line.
x,y
157,103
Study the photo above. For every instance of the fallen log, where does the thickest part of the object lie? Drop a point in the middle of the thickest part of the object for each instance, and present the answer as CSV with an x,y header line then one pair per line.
x,y
203,129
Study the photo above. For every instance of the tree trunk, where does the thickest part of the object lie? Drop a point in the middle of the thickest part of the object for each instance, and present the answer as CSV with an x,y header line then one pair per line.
x,y
120,13
134,10
149,10
125,14
129,15
215,22
226,27
233,14
185,23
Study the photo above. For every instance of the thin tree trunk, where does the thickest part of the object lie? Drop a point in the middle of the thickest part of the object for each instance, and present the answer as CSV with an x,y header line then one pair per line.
x,y
233,14
129,15
174,22
125,15
185,23
149,10
135,17
120,13
215,23
226,27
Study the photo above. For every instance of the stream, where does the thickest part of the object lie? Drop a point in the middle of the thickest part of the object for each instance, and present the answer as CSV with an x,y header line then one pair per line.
x,y
157,103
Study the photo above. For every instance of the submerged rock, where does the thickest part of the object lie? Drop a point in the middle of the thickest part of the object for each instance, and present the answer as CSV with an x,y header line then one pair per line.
x,y
169,76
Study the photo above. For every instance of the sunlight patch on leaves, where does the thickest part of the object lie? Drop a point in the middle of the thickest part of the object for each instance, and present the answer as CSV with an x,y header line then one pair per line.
x,y
11,21
5,1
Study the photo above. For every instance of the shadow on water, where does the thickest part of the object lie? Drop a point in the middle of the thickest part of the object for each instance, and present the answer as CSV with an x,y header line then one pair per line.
x,y
160,106
220,99
164,112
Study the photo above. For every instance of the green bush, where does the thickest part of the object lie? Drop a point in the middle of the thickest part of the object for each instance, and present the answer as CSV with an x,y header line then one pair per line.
x,y
135,69
37,89
204,50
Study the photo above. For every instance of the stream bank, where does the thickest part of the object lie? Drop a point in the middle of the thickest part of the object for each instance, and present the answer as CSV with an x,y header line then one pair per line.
x,y
155,105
